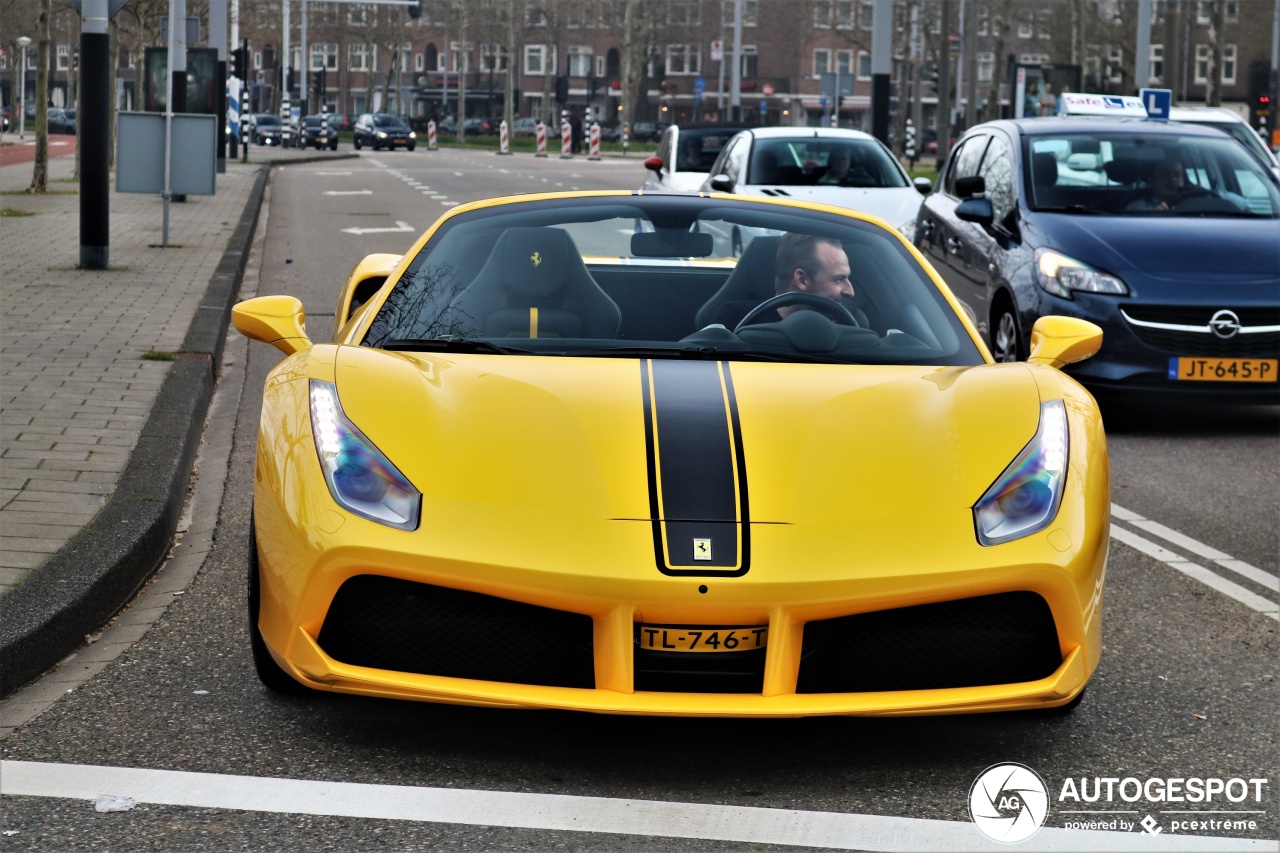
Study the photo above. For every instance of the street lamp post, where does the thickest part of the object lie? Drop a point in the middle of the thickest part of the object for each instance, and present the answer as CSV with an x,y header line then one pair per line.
x,y
23,41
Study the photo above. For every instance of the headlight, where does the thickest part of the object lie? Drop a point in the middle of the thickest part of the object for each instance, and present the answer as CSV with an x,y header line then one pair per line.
x,y
360,478
908,230
1060,275
1025,498
413,135
381,135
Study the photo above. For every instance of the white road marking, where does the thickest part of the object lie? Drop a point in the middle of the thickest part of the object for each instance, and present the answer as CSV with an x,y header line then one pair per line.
x,y
1177,561
1240,567
450,203
400,226
331,173
348,192
643,818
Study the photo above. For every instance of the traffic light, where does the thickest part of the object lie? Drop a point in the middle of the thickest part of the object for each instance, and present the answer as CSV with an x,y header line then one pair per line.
x,y
317,83
415,11
593,83
238,64
562,89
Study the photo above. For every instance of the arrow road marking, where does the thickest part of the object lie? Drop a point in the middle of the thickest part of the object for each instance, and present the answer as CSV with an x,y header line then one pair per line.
x,y
400,226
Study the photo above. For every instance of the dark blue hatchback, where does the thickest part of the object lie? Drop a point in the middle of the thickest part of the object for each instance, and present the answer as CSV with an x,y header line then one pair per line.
x,y
1166,236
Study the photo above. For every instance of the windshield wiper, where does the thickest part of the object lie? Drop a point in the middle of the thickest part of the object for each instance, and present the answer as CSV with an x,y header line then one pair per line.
x,y
1073,208
454,345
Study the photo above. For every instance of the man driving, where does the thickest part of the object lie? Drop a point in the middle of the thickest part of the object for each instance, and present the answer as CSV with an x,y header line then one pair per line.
x,y
805,264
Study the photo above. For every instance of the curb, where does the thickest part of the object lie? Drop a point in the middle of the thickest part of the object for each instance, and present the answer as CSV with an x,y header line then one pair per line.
x,y
94,575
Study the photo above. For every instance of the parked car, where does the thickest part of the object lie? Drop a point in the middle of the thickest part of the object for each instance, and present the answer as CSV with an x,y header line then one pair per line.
x,y
264,128
685,156
479,126
823,164
516,474
62,120
1228,121
524,127
382,130
647,131
1165,235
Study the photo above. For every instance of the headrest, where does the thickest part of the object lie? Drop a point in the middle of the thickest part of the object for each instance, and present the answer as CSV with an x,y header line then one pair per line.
x,y
1044,169
1127,171
537,260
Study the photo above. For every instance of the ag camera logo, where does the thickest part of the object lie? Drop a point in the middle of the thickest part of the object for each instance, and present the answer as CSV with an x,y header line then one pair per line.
x,y
1008,803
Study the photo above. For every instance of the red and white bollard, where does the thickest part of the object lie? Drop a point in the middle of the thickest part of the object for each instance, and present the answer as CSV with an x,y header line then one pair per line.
x,y
431,136
595,142
542,140
566,141
504,143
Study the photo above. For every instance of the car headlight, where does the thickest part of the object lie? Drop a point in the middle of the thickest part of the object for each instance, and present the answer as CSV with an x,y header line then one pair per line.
x,y
413,135
908,230
1025,497
1061,275
360,478
382,135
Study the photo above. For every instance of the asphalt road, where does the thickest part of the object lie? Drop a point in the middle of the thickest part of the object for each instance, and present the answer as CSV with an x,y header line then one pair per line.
x,y
1186,689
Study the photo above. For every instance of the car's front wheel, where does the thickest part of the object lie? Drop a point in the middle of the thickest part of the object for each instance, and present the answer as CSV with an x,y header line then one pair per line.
x,y
269,672
356,142
1006,343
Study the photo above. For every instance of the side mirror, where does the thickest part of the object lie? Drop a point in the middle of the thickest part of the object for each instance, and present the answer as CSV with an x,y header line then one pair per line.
x,y
276,320
363,282
722,184
1059,341
924,186
976,210
653,164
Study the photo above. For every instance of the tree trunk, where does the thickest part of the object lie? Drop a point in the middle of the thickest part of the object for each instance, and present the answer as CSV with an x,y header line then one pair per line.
x,y
1212,83
40,174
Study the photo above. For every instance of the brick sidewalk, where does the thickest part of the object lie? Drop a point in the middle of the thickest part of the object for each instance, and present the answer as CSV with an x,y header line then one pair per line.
x,y
75,383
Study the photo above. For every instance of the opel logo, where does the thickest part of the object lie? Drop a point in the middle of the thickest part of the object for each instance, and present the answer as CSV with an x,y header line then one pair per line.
x,y
1225,324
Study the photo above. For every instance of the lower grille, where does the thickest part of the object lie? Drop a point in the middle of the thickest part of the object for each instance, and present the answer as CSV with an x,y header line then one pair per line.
x,y
720,672
1244,344
403,626
1006,638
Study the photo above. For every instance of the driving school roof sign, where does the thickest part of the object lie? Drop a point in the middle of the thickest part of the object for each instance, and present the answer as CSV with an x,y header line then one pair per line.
x,y
1078,104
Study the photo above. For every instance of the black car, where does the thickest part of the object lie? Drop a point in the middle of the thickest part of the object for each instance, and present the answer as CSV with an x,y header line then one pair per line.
x,y
480,127
62,120
1164,235
383,130
647,131
263,128
311,132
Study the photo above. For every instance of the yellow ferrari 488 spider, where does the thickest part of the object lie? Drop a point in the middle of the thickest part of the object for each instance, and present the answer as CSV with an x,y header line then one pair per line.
x,y
683,455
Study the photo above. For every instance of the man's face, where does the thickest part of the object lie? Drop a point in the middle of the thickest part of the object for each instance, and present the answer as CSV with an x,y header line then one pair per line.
x,y
830,277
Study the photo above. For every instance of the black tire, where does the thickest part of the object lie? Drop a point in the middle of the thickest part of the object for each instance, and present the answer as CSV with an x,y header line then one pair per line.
x,y
412,146
1006,339
356,143
269,672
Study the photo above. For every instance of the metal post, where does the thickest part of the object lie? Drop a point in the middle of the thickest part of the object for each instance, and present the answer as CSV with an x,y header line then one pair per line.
x,y
23,41
960,110
304,92
218,40
735,96
881,65
95,123
1142,53
286,108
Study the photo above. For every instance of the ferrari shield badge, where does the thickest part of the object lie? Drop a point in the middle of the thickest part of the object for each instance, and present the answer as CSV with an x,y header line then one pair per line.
x,y
702,549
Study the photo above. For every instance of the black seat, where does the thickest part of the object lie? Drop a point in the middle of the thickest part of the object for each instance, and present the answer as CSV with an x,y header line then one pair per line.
x,y
751,279
535,285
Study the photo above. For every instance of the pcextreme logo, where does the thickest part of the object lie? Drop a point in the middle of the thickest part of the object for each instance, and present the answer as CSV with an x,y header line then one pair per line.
x,y
1009,802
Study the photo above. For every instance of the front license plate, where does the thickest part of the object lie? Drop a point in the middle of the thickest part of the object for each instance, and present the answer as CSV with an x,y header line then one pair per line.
x,y
702,638
1224,369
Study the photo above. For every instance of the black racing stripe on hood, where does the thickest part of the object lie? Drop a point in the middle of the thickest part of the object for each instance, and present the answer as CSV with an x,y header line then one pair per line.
x,y
696,469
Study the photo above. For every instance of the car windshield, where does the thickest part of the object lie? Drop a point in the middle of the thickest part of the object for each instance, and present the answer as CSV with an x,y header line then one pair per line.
x,y
814,160
1136,174
388,121
269,120
648,277
315,121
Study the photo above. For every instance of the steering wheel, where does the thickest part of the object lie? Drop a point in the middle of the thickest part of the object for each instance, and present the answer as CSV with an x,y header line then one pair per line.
x,y
1191,192
829,308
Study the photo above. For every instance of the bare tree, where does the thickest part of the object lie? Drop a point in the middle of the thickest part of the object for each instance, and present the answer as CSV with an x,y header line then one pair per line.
x,y
40,174
1213,75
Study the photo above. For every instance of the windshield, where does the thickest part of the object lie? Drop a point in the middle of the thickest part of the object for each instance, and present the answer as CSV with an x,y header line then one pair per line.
x,y
388,121
1133,174
699,148
270,120
315,121
667,277
815,160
